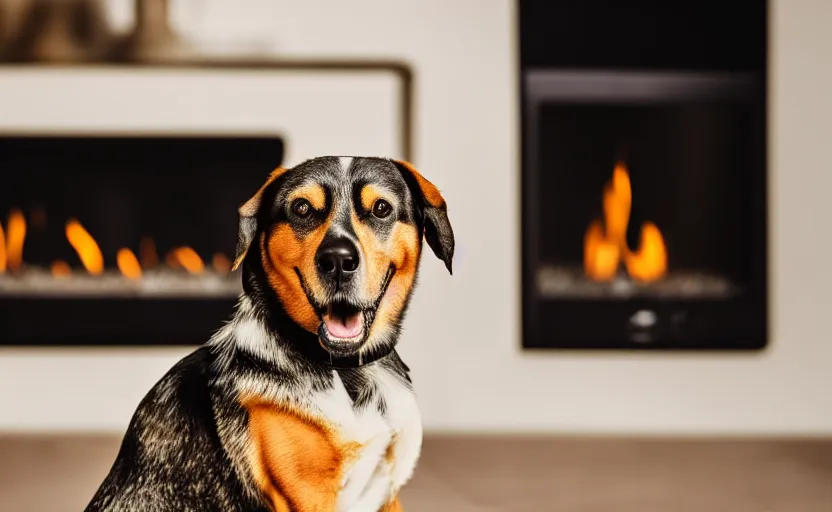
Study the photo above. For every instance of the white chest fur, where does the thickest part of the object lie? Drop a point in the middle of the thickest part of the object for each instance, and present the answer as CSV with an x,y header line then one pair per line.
x,y
389,441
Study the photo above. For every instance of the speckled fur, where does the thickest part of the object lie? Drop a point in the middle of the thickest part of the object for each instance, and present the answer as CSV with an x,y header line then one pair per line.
x,y
187,445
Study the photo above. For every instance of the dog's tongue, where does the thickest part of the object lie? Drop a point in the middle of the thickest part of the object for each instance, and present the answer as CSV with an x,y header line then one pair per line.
x,y
344,327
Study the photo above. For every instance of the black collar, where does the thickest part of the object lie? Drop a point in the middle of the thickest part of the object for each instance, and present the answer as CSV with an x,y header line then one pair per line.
x,y
354,361
309,347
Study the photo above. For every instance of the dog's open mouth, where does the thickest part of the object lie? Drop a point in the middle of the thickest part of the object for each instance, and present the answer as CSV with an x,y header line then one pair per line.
x,y
346,326
343,328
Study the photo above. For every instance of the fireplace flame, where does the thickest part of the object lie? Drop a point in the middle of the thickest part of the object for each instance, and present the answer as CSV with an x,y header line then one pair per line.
x,y
15,237
618,198
3,258
649,262
221,263
86,247
605,246
186,258
131,266
128,264
147,252
601,256
60,268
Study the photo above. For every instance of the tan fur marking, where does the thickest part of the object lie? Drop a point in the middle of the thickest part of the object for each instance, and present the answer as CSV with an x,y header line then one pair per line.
x,y
393,506
390,454
374,255
296,461
370,194
402,251
405,257
314,193
429,190
282,252
250,207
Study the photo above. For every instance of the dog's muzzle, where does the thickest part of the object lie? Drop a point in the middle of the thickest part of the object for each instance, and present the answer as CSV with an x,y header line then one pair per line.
x,y
345,326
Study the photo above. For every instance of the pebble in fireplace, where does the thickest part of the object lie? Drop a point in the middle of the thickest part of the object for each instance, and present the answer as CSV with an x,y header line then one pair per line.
x,y
122,239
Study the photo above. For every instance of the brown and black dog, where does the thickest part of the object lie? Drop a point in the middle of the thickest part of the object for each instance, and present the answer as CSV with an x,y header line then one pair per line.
x,y
300,402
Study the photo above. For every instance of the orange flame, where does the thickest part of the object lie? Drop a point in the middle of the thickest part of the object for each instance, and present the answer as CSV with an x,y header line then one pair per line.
x,y
60,268
147,251
601,256
171,260
188,259
618,198
3,258
86,247
15,237
649,262
605,247
128,264
221,263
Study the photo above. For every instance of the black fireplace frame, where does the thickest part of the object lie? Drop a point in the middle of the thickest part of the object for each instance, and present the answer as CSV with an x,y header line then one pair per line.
x,y
683,324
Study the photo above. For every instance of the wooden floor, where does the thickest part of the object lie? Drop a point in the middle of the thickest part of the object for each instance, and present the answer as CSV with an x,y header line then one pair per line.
x,y
467,474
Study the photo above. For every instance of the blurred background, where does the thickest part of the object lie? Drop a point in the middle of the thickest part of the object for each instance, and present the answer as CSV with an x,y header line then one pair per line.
x,y
638,316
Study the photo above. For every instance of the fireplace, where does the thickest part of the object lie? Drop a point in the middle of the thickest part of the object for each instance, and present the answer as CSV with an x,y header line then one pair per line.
x,y
644,177
120,193
116,239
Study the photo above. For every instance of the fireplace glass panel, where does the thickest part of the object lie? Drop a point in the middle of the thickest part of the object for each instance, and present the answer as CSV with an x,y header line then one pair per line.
x,y
687,170
644,211
123,239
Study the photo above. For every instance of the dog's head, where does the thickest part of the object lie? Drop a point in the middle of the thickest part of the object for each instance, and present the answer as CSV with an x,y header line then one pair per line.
x,y
339,240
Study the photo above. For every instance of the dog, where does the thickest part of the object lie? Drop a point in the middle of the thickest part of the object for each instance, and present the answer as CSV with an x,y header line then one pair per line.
x,y
300,401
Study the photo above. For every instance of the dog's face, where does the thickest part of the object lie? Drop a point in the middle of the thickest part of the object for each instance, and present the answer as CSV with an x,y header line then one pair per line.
x,y
339,240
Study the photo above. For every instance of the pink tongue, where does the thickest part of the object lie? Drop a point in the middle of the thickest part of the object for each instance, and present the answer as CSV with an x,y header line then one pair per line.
x,y
349,327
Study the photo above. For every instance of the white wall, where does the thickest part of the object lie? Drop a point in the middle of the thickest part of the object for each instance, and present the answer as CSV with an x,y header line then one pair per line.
x,y
469,371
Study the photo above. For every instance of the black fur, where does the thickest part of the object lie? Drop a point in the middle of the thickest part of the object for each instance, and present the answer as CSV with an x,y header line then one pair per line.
x,y
171,457
432,219
184,449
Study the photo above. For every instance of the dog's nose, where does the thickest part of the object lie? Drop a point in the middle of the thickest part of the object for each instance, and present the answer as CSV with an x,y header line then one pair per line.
x,y
337,256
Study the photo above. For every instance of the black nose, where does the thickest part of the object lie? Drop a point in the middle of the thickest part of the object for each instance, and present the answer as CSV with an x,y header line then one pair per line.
x,y
337,256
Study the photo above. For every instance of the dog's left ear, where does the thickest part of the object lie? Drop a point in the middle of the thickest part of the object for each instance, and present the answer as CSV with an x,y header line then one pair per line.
x,y
248,219
438,232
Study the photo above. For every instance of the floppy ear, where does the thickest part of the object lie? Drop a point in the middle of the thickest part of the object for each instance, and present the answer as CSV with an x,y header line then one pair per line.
x,y
438,232
248,219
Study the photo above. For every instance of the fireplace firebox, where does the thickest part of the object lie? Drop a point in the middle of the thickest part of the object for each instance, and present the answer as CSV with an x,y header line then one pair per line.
x,y
122,240
644,176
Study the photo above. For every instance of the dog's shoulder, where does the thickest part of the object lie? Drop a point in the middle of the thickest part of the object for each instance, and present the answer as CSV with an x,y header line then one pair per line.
x,y
171,455
184,388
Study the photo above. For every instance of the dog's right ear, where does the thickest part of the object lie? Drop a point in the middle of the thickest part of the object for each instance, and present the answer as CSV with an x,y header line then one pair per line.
x,y
248,219
437,231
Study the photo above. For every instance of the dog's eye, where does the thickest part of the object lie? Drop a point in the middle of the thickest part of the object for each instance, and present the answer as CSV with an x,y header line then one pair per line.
x,y
301,208
382,209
